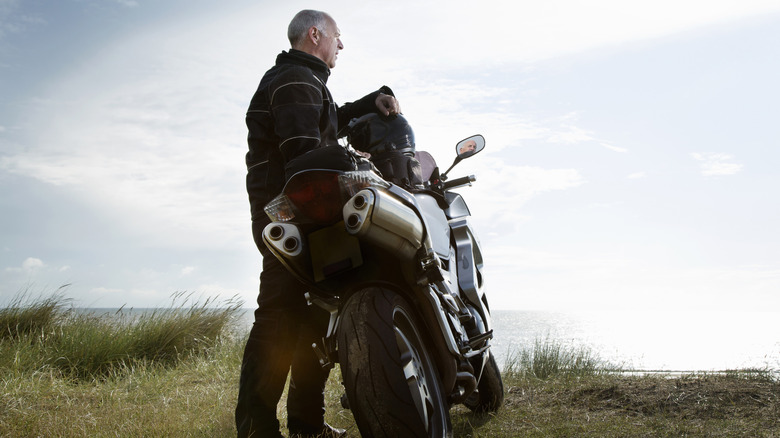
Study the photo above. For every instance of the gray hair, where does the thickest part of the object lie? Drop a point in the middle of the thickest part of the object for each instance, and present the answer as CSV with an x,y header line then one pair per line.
x,y
302,22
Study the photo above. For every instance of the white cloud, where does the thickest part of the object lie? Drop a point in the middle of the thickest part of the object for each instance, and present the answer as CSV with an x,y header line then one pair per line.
x,y
565,130
32,263
502,189
161,144
637,175
491,32
614,148
717,164
570,135
12,21
187,270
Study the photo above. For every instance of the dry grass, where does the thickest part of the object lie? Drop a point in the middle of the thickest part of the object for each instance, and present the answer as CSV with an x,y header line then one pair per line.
x,y
198,397
550,392
192,399
630,406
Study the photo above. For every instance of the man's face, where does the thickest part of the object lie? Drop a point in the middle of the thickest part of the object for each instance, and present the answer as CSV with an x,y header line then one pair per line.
x,y
329,43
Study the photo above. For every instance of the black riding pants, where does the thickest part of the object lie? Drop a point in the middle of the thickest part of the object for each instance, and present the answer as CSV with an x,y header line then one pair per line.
x,y
280,342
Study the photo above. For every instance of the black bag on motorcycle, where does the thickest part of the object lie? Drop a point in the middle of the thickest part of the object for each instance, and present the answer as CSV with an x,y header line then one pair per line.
x,y
390,142
334,157
398,168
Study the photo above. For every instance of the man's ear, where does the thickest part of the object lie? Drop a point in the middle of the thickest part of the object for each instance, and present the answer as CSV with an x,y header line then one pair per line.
x,y
314,35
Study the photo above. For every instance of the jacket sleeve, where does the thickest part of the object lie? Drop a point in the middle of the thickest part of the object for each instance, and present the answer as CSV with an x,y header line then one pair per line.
x,y
360,107
296,105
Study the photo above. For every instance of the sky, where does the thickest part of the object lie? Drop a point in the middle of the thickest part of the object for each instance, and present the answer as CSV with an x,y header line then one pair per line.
x,y
631,163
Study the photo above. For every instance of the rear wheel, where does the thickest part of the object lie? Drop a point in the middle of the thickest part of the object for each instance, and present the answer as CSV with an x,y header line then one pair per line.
x,y
389,375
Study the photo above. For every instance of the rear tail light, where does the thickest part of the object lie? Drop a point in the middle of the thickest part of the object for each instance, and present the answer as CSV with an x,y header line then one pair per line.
x,y
318,195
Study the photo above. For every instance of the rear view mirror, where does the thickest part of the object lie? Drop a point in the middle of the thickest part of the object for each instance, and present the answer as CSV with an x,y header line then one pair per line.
x,y
466,148
470,146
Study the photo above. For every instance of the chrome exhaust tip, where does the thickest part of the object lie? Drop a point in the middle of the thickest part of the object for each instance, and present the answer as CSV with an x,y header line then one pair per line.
x,y
290,244
276,232
353,221
284,239
360,202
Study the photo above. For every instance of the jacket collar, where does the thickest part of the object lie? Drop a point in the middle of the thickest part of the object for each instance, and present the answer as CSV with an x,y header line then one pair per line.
x,y
298,57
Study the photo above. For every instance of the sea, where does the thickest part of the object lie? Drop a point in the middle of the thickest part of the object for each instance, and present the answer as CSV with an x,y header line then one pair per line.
x,y
645,341
650,341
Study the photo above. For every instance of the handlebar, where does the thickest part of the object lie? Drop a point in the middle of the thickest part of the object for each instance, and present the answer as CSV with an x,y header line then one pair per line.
x,y
457,182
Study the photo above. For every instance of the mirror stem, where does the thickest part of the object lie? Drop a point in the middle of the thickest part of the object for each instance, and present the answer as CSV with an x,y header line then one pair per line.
x,y
444,175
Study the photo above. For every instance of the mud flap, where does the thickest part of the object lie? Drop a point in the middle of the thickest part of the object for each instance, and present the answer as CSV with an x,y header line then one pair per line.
x,y
333,251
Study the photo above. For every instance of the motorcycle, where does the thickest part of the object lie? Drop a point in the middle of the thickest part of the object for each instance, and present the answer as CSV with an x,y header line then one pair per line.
x,y
400,273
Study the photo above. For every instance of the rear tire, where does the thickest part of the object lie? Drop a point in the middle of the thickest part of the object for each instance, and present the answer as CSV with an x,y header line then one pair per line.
x,y
389,375
489,396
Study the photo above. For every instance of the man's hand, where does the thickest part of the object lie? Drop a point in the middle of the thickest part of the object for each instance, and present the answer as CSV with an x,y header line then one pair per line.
x,y
388,105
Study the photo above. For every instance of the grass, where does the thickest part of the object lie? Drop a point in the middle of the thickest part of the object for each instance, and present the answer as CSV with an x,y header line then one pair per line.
x,y
25,317
174,373
546,359
45,335
552,391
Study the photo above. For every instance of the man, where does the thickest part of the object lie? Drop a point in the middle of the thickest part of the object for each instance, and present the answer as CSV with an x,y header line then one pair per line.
x,y
291,115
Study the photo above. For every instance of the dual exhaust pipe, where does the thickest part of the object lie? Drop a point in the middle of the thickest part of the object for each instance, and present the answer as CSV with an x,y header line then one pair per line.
x,y
382,220
371,215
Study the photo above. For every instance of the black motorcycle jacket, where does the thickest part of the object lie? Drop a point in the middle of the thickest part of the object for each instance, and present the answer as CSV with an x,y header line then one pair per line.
x,y
291,113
